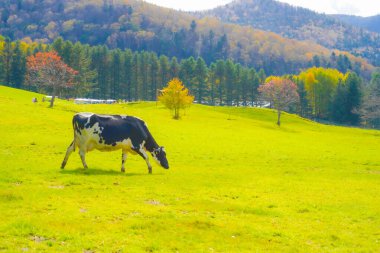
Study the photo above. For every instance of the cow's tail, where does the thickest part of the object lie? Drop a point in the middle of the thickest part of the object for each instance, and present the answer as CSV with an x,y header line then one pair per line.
x,y
75,134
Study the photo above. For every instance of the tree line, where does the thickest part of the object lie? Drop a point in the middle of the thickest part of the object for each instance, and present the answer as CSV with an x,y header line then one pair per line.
x,y
134,76
140,26
324,93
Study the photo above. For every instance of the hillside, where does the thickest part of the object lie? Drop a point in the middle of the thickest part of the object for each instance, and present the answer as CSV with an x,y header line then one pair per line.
x,y
301,24
236,183
368,23
141,26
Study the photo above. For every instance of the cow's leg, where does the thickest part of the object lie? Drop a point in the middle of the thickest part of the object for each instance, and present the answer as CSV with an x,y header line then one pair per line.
x,y
123,159
70,149
82,154
144,155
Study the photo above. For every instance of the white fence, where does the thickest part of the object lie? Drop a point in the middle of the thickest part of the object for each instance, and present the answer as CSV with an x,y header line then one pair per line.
x,y
93,101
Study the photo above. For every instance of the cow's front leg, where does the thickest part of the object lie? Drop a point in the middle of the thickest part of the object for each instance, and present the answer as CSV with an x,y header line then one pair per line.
x,y
70,149
82,154
144,155
123,159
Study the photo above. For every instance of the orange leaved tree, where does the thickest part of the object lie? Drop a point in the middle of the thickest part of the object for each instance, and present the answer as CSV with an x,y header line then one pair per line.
x,y
175,97
46,69
280,92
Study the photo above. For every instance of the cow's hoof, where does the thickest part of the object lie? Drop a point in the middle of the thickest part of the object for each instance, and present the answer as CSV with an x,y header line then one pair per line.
x,y
122,170
150,171
63,166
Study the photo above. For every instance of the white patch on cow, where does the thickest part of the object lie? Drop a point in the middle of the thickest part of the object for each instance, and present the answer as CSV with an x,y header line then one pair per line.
x,y
107,116
85,114
155,158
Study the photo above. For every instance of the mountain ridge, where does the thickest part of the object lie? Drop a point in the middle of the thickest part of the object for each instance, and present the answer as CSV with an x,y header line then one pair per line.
x,y
301,24
142,26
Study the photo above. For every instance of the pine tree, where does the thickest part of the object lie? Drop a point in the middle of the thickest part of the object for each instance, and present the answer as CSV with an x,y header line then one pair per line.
x,y
339,104
370,111
127,74
220,80
186,73
18,67
154,69
354,98
115,74
58,45
85,79
7,58
165,69
174,68
201,76
230,80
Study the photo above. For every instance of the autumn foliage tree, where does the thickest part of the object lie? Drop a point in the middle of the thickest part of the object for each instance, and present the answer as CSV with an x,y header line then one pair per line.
x,y
280,92
46,69
175,97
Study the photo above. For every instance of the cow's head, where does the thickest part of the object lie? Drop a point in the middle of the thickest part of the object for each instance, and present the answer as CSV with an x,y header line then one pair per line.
x,y
160,156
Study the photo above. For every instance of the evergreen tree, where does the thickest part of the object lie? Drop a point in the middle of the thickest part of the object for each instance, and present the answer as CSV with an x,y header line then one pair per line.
x,y
174,68
115,74
145,72
135,88
7,60
304,107
186,73
18,67
67,52
244,84
220,80
155,69
370,111
213,83
354,98
127,74
339,104
201,72
230,80
58,45
85,79
165,70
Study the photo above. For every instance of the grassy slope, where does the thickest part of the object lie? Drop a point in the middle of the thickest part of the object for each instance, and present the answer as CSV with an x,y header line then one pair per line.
x,y
236,184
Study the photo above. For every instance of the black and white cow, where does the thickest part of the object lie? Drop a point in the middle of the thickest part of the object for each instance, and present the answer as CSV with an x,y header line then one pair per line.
x,y
113,132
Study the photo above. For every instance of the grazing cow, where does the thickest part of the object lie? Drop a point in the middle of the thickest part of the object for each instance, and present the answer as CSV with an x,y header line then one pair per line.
x,y
112,132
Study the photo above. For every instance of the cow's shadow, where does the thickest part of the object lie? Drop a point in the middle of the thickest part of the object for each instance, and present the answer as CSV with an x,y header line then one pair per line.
x,y
107,172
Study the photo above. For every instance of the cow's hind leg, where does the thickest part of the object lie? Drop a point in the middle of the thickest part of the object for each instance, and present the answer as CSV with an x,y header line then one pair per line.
x,y
123,158
144,155
70,149
82,154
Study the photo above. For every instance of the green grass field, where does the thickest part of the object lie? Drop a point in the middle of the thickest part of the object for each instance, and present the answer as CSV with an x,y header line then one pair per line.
x,y
236,183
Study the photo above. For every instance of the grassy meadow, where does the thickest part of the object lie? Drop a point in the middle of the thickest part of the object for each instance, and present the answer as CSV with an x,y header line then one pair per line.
x,y
236,183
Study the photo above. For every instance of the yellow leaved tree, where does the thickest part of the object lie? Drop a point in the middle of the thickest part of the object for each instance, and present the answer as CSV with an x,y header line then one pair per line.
x,y
175,97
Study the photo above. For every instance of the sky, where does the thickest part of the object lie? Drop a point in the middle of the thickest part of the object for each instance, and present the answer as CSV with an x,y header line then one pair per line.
x,y
363,8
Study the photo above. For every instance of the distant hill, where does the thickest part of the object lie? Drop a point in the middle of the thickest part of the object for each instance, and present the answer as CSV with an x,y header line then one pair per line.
x,y
142,26
301,24
368,23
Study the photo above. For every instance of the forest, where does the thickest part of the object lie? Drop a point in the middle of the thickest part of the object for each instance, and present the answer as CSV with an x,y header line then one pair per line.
x,y
302,24
140,26
337,95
